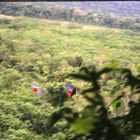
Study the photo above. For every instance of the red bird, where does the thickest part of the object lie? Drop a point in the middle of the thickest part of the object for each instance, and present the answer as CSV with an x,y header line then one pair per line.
x,y
71,91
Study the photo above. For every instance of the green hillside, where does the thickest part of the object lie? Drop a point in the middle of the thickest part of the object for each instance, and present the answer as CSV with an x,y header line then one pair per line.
x,y
44,52
111,14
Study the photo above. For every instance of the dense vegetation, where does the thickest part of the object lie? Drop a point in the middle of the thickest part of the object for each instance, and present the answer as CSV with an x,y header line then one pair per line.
x,y
59,12
45,52
95,117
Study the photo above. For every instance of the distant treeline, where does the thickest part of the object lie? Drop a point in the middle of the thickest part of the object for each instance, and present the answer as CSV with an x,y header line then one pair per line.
x,y
76,15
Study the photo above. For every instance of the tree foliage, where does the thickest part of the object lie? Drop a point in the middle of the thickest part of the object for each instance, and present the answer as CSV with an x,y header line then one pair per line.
x,y
63,13
33,51
94,121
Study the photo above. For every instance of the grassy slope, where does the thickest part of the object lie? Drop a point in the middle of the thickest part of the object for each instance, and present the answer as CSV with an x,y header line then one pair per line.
x,y
39,42
89,41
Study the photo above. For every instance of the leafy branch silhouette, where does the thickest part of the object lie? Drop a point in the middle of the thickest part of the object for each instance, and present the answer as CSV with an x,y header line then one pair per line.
x,y
93,122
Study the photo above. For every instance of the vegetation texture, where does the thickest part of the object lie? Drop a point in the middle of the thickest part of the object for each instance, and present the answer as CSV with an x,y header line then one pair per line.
x,y
102,62
75,12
